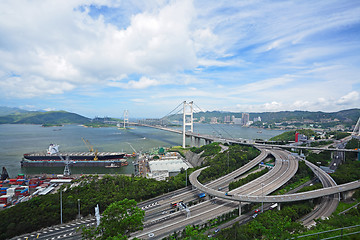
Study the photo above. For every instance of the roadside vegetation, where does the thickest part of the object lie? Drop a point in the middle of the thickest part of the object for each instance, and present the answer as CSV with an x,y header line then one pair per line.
x,y
222,163
207,150
247,179
43,211
290,135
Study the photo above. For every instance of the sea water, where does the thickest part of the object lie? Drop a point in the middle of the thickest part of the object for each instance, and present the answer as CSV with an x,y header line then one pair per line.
x,y
17,139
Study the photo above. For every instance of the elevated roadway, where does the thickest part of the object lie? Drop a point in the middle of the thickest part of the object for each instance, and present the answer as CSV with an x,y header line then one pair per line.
x,y
274,199
162,226
328,203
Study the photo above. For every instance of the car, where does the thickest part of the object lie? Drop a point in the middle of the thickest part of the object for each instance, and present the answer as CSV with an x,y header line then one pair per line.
x,y
257,210
255,215
217,230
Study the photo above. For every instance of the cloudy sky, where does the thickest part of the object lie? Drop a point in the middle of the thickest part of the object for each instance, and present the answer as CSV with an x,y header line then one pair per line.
x,y
98,57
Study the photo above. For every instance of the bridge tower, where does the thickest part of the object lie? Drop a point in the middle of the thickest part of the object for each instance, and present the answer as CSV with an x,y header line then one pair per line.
x,y
356,132
126,118
187,111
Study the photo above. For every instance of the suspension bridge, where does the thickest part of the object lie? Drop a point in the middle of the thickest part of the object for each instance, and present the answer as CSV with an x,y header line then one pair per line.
x,y
187,110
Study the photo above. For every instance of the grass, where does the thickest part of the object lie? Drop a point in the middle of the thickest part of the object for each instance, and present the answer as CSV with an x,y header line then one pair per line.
x,y
343,206
291,186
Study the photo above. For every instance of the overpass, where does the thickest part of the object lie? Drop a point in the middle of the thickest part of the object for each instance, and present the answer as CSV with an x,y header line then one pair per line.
x,y
276,198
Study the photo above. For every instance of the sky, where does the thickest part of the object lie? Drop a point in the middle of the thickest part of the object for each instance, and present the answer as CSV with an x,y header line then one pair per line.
x,y
100,58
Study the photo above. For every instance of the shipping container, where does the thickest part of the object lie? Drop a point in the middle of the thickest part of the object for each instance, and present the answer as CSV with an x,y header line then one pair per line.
x,y
21,176
5,199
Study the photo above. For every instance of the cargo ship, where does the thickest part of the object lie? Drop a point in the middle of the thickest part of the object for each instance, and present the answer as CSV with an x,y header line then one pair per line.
x,y
54,158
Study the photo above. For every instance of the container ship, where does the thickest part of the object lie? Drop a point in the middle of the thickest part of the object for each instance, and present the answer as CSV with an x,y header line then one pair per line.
x,y
54,158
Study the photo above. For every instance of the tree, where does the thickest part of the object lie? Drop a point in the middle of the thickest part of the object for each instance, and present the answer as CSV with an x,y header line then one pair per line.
x,y
117,222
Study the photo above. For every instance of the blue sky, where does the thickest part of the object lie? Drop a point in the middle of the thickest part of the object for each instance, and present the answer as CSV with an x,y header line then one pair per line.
x,y
99,58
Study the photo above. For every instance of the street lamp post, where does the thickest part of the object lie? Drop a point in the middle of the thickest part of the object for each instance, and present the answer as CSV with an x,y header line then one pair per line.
x,y
228,159
61,219
262,197
79,208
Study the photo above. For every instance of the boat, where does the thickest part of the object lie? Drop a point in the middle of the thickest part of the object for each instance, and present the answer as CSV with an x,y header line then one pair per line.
x,y
112,165
54,158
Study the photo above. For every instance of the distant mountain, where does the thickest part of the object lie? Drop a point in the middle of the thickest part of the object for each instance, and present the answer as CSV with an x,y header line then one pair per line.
x,y
52,117
346,117
8,110
350,115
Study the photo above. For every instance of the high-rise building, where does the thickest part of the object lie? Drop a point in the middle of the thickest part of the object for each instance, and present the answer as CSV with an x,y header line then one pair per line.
x,y
245,118
227,119
213,120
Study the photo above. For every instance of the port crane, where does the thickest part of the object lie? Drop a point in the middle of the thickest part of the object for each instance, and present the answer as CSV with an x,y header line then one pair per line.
x,y
87,143
91,148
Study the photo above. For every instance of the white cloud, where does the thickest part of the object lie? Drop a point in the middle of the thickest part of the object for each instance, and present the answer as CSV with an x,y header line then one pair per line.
x,y
273,106
59,43
50,109
143,82
349,98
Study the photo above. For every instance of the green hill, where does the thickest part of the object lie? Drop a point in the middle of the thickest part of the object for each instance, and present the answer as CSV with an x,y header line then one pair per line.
x,y
52,117
8,110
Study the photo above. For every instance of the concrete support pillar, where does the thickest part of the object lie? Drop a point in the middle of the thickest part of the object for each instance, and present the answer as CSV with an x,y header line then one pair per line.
x,y
186,113
240,209
278,207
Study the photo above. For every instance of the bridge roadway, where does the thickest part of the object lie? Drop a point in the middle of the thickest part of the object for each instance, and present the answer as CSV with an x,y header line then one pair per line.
x,y
274,199
284,169
162,204
328,204
209,138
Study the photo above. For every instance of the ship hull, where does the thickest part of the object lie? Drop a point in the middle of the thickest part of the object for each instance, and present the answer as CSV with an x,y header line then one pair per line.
x,y
75,160
91,163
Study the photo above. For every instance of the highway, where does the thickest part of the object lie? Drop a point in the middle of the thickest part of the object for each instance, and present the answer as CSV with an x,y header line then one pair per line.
x,y
279,198
64,231
285,168
160,222
155,208
328,204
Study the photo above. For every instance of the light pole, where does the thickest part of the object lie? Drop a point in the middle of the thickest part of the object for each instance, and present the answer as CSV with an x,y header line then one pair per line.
x,y
79,208
61,220
262,197
186,178
228,160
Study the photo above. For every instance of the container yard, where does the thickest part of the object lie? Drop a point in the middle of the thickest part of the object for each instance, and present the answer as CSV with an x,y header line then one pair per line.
x,y
23,188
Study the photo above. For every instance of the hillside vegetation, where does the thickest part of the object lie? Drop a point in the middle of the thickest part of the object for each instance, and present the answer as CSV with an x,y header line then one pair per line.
x,y
52,117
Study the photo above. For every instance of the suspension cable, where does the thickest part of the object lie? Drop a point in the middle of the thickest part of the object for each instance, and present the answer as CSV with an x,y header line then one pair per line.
x,y
212,126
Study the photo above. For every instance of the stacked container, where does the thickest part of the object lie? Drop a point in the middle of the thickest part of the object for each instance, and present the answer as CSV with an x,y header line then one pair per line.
x,y
33,183
22,191
12,181
20,181
5,199
3,190
21,176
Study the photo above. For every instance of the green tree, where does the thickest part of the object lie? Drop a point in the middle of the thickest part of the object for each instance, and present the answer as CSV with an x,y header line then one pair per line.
x,y
118,221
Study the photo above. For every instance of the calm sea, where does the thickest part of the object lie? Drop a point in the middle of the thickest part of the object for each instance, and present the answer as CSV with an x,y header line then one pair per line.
x,y
15,140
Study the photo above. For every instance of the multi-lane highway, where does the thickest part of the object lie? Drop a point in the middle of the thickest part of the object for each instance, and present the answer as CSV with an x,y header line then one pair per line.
x,y
161,220
328,204
285,168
